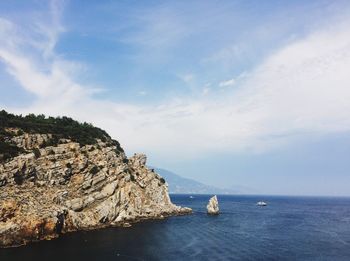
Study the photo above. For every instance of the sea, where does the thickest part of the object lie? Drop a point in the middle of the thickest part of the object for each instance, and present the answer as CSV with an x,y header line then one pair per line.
x,y
288,228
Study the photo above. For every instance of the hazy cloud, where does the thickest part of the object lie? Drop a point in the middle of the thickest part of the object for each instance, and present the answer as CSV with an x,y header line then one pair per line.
x,y
301,88
227,83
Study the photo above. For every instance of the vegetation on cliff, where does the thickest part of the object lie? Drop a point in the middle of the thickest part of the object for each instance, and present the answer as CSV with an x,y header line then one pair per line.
x,y
59,127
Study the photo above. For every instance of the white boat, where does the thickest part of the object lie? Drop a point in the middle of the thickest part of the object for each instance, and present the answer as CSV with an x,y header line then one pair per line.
x,y
191,196
261,204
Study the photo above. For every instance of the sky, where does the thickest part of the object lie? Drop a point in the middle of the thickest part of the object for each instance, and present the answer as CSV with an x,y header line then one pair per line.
x,y
249,95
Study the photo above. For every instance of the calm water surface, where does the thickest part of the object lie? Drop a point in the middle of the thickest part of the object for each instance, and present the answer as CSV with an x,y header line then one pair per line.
x,y
289,228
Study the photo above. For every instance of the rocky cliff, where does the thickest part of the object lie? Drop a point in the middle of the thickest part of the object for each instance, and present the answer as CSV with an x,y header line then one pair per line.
x,y
50,188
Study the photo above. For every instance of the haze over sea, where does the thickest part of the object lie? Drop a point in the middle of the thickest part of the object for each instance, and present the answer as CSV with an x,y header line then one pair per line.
x,y
289,228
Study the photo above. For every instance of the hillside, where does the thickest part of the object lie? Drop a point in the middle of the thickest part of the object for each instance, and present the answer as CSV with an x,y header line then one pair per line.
x,y
181,185
59,128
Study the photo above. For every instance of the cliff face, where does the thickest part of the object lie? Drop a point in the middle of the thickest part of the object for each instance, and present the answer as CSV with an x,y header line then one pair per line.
x,y
49,190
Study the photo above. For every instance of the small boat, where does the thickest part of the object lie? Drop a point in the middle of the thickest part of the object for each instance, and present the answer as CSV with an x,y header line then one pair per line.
x,y
191,196
261,204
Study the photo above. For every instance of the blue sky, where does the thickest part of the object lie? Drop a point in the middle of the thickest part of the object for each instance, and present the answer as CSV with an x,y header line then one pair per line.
x,y
249,94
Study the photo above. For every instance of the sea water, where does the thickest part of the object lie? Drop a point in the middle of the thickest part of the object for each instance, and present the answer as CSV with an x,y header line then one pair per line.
x,y
289,228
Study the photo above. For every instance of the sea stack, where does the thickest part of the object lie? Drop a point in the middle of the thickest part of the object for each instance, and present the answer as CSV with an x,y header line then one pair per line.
x,y
213,206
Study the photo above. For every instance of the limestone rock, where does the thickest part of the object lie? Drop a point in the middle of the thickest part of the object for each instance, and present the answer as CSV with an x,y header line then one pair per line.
x,y
213,206
69,187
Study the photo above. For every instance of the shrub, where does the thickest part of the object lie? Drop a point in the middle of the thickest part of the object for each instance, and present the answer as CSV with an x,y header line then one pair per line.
x,y
9,150
18,178
37,152
94,170
60,127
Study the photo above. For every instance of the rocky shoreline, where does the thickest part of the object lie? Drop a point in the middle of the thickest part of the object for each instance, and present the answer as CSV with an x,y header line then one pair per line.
x,y
50,190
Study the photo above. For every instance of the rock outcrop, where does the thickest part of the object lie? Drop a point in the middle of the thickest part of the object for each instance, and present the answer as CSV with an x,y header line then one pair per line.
x,y
213,206
49,190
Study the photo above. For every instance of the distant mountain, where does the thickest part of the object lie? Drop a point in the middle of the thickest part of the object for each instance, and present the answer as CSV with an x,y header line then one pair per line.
x,y
181,185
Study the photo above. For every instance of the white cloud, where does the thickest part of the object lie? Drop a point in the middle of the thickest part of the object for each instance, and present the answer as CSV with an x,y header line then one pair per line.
x,y
187,78
205,90
162,27
302,88
142,93
227,83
